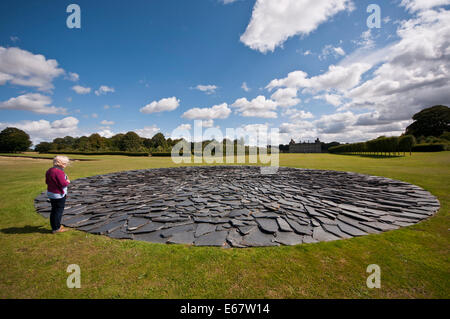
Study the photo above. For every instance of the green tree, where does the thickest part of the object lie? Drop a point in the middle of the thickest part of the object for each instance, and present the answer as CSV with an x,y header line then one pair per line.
x,y
69,142
159,140
43,147
432,121
96,142
405,143
131,142
82,144
58,144
116,142
147,142
14,140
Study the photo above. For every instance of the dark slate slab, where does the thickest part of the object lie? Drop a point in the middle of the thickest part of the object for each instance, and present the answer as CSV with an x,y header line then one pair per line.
x,y
109,227
320,234
153,237
147,228
353,231
283,224
211,220
204,228
244,230
309,240
288,239
335,230
237,222
234,238
238,212
300,229
177,229
71,221
267,225
136,222
182,238
216,238
257,238
380,226
120,233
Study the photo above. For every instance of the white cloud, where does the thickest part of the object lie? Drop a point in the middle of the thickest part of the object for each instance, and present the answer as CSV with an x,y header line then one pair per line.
x,y
14,38
406,76
184,127
335,123
366,40
418,5
221,111
414,72
208,89
273,22
94,115
332,99
106,132
105,122
34,102
339,51
337,77
67,122
253,134
103,89
81,89
207,123
166,104
24,68
228,1
286,97
44,130
74,77
295,114
258,107
148,131
298,127
245,87
329,50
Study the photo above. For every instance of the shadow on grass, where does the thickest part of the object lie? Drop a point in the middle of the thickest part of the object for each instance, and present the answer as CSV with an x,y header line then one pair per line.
x,y
373,155
25,230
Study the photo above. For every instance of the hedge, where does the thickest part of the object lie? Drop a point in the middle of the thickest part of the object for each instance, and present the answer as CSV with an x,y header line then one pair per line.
x,y
165,154
381,145
100,153
429,147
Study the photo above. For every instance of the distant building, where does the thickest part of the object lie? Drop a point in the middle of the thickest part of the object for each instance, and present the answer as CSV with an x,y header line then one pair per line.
x,y
304,147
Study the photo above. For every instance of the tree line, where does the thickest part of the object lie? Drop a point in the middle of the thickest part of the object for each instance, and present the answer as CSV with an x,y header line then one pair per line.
x,y
430,129
379,146
429,132
128,142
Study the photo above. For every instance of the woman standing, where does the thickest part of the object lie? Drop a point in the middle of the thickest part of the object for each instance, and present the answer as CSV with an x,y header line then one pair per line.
x,y
57,183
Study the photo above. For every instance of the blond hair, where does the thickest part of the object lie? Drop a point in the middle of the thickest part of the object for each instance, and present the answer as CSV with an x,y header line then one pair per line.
x,y
60,160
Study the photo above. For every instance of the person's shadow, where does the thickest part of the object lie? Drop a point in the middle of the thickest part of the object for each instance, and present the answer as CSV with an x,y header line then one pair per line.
x,y
25,230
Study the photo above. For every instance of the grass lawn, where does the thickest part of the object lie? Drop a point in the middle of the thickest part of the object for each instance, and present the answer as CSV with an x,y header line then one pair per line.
x,y
414,260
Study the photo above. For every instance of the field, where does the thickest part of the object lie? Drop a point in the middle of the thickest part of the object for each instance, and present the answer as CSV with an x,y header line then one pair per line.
x,y
414,260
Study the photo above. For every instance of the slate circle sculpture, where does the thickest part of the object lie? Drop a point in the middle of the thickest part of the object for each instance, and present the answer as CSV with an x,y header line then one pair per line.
x,y
238,206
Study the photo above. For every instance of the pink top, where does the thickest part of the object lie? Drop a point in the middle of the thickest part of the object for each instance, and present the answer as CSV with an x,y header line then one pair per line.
x,y
55,178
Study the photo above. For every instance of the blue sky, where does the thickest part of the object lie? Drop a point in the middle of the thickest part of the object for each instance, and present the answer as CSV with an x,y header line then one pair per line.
x,y
349,83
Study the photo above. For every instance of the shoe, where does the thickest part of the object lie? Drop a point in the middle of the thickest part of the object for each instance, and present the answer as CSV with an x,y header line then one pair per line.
x,y
60,230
